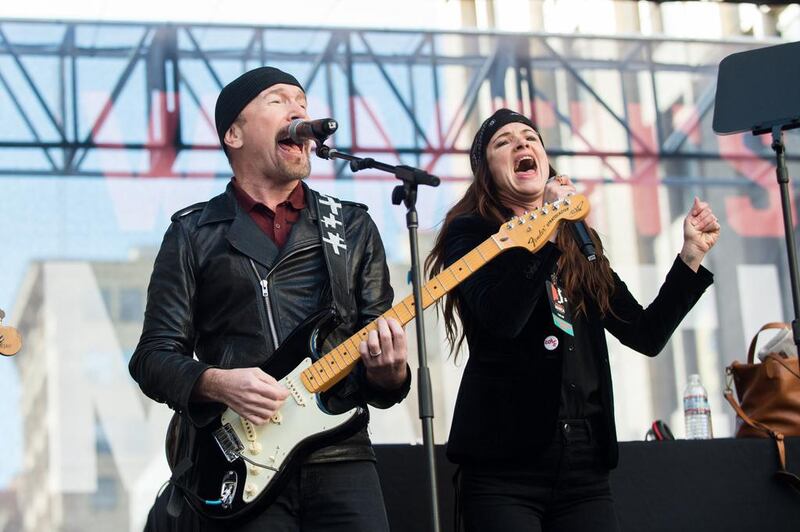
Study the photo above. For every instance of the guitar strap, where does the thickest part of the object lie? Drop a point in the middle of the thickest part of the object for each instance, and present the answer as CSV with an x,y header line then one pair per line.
x,y
334,246
175,501
180,463
332,235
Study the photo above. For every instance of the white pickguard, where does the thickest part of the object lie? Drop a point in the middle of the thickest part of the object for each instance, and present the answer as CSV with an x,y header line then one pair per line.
x,y
272,442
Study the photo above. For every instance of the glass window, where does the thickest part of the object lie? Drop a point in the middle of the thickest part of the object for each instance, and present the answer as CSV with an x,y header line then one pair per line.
x,y
131,304
105,498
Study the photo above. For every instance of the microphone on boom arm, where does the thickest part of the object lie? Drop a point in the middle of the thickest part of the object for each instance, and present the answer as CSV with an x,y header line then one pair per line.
x,y
300,131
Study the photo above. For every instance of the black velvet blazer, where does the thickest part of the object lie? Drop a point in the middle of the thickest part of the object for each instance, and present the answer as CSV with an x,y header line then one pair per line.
x,y
508,401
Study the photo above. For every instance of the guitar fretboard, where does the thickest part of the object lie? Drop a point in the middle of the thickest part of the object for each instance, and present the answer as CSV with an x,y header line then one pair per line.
x,y
337,363
529,231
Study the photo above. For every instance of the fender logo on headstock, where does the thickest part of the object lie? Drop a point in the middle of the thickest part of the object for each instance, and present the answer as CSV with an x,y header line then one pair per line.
x,y
534,239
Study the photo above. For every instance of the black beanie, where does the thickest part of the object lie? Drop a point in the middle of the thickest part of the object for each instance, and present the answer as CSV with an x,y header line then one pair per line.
x,y
487,130
238,93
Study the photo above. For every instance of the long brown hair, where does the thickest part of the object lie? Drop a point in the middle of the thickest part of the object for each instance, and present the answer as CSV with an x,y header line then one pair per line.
x,y
579,276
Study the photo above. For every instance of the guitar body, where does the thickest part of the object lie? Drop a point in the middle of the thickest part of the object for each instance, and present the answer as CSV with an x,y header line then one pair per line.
x,y
300,427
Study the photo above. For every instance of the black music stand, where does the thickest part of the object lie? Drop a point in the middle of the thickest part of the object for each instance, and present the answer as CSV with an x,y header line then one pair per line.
x,y
759,91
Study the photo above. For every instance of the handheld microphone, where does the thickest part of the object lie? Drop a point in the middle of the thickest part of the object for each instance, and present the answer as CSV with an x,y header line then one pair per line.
x,y
584,241
302,130
579,231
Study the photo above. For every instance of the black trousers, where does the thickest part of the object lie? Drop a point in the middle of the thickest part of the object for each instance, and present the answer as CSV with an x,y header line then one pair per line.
x,y
563,490
333,496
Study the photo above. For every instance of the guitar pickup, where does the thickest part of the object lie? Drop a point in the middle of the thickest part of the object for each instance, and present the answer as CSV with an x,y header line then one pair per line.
x,y
295,391
229,443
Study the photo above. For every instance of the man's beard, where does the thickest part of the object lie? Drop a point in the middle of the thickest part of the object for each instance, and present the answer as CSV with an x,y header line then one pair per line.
x,y
292,172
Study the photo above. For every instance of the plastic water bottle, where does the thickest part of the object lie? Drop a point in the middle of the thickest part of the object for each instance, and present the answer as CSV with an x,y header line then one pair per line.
x,y
696,412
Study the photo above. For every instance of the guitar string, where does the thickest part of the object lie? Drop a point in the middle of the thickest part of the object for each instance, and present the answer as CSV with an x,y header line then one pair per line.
x,y
556,206
265,466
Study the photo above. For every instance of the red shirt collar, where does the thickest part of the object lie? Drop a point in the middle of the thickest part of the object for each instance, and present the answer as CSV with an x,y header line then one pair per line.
x,y
296,199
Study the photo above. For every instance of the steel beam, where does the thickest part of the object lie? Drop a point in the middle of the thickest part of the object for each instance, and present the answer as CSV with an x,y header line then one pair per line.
x,y
168,55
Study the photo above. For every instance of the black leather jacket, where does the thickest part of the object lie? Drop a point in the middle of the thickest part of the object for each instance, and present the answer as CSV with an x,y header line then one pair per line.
x,y
222,290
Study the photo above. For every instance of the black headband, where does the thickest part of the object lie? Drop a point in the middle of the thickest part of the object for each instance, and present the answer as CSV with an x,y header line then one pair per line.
x,y
238,93
487,130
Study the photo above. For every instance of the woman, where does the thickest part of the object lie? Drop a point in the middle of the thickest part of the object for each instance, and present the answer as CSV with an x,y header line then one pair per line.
x,y
533,429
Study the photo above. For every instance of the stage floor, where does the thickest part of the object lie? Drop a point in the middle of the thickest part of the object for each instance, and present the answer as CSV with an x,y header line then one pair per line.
x,y
724,485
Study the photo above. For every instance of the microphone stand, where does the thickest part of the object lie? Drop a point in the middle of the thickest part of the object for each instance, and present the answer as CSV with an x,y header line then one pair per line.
x,y
788,230
407,194
761,76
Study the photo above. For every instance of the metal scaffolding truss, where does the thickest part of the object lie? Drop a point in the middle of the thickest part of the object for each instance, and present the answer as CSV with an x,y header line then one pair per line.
x,y
119,99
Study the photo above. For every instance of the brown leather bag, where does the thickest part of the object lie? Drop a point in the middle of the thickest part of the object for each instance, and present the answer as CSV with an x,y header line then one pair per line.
x,y
769,393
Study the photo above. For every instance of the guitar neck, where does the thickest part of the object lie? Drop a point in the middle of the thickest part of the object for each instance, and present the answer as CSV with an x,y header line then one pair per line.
x,y
337,363
530,230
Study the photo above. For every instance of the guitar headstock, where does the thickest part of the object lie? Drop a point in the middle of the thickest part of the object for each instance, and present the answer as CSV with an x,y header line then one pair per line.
x,y
10,341
533,229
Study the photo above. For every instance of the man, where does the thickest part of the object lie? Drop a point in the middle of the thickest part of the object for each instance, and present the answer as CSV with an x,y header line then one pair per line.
x,y
233,278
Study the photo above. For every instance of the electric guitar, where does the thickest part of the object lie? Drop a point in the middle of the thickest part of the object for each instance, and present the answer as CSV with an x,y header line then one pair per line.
x,y
242,467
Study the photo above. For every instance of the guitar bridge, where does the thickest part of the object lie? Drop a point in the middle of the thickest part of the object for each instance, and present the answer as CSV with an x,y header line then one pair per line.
x,y
229,443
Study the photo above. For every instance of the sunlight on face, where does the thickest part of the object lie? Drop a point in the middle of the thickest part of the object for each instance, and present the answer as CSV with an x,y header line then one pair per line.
x,y
264,147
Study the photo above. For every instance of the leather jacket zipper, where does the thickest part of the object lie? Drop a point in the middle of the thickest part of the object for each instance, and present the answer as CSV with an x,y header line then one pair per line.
x,y
265,291
265,294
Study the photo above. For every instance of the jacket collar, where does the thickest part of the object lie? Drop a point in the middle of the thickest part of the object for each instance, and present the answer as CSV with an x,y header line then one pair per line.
x,y
245,235
305,231
225,207
220,208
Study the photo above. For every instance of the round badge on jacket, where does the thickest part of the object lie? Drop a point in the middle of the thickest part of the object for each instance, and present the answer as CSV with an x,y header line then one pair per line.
x,y
550,343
